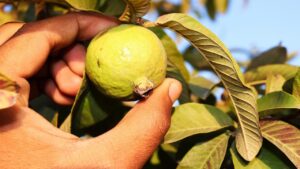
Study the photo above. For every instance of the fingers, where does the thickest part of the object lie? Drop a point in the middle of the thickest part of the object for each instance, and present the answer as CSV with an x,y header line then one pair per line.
x,y
74,58
52,90
7,30
67,81
48,35
135,138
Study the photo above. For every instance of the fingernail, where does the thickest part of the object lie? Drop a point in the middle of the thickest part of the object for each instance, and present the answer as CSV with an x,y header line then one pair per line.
x,y
174,91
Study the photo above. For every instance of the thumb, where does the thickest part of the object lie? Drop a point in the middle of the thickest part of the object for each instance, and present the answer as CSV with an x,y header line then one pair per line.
x,y
135,138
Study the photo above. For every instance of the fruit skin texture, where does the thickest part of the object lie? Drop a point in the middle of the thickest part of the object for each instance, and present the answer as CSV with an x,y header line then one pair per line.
x,y
126,62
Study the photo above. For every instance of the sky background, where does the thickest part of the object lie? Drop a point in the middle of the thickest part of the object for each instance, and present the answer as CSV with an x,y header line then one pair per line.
x,y
256,25
259,25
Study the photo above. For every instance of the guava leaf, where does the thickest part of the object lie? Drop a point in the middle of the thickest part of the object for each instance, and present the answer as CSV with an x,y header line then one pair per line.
x,y
274,83
173,54
261,73
277,100
91,106
8,92
195,58
201,87
135,9
85,5
248,138
265,160
296,85
204,155
173,72
284,136
194,118
66,125
275,55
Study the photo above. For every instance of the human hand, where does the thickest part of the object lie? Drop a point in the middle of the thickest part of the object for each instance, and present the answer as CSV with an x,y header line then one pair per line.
x,y
27,140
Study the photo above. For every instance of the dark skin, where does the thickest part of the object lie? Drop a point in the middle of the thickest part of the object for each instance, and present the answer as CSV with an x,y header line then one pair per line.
x,y
27,140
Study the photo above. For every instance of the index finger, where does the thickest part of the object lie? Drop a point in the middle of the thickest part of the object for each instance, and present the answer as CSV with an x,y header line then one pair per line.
x,y
25,53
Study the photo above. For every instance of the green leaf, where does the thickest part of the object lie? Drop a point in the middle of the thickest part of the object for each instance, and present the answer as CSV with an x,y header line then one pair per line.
x,y
285,137
277,100
174,56
195,58
204,155
113,7
274,83
261,73
296,85
173,72
193,118
249,139
201,87
9,91
275,55
84,5
135,9
265,160
91,106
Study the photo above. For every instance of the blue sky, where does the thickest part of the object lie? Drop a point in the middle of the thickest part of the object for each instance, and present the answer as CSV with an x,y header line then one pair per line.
x,y
260,24
255,25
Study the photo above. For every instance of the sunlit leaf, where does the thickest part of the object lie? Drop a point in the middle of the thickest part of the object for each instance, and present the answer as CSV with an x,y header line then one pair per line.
x,y
185,6
276,55
91,106
201,87
67,124
193,118
8,92
266,159
274,83
221,5
261,73
248,138
84,5
277,100
284,136
209,154
173,54
296,85
134,10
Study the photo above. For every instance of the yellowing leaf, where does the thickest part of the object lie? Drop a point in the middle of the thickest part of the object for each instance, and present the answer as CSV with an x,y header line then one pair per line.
x,y
8,92
221,5
193,118
66,125
84,5
209,154
135,9
248,138
296,85
274,83
261,73
284,136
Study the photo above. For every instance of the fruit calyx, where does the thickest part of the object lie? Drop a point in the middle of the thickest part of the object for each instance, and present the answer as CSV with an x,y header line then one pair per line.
x,y
143,87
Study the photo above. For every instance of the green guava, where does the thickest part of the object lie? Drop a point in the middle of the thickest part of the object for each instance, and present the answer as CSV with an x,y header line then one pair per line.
x,y
126,62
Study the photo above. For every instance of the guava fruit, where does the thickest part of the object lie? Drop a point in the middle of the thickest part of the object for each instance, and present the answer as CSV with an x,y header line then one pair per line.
x,y
126,62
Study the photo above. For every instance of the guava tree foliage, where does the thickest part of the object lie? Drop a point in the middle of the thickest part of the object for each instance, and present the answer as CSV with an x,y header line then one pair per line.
x,y
255,124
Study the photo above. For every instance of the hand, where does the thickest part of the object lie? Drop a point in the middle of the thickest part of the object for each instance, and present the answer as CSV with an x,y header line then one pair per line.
x,y
27,140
